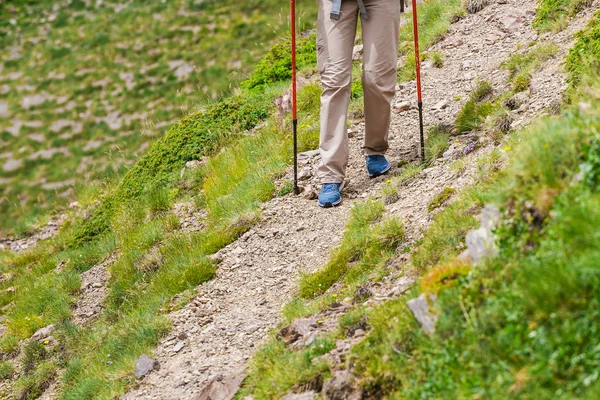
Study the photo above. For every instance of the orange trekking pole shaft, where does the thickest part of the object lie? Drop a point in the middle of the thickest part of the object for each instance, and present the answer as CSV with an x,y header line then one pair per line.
x,y
294,93
418,65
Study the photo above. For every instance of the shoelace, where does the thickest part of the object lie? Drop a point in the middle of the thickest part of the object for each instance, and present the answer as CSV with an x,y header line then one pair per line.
x,y
375,159
330,187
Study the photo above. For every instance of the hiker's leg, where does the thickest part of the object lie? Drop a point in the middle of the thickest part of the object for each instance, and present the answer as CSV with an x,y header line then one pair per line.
x,y
380,58
335,41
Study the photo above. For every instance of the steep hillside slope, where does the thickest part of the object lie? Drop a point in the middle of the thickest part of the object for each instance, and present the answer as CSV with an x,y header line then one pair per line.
x,y
87,86
200,251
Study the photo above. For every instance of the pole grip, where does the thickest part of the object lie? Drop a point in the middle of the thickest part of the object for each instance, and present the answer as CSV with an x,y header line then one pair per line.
x,y
421,130
295,128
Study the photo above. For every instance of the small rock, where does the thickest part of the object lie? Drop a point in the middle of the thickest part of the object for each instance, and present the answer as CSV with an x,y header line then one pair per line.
x,y
440,105
309,193
352,133
481,242
300,396
359,333
339,387
220,388
144,365
309,154
195,164
178,346
357,52
305,174
403,106
43,333
420,309
299,328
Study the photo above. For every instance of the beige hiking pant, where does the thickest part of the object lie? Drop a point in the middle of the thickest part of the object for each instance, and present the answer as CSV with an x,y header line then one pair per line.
x,y
335,42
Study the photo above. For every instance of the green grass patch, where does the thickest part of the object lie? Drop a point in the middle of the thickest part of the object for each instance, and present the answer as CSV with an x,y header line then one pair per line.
x,y
434,20
551,14
436,144
6,370
276,66
521,65
33,386
276,370
584,55
440,199
476,109
355,242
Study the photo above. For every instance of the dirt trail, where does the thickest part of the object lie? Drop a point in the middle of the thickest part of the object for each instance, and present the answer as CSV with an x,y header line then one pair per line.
x,y
219,330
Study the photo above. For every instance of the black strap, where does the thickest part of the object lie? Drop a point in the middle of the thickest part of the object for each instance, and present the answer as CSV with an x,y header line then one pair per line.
x,y
363,10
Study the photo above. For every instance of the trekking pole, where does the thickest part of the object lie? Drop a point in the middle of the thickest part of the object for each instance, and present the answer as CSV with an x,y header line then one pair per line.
x,y
294,90
418,64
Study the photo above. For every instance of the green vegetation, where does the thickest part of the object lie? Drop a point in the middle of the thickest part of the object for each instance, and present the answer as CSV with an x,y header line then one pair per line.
x,y
476,109
436,143
434,20
276,66
90,85
524,323
365,244
6,370
155,261
584,55
522,65
32,386
436,57
523,335
277,369
551,15
440,199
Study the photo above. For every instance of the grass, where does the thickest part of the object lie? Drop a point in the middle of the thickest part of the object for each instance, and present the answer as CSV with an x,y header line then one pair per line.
x,y
160,61
440,199
522,335
584,55
232,184
521,65
552,14
6,370
276,370
436,144
436,57
33,386
434,21
526,321
472,115
359,237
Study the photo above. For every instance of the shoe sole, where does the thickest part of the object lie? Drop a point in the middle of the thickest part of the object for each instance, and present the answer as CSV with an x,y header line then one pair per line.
x,y
330,204
381,173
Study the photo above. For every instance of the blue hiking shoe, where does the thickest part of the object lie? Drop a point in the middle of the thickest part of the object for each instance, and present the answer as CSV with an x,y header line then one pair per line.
x,y
377,165
330,195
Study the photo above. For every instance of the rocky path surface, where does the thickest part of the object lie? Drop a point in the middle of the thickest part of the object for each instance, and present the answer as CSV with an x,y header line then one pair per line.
x,y
217,332
22,244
